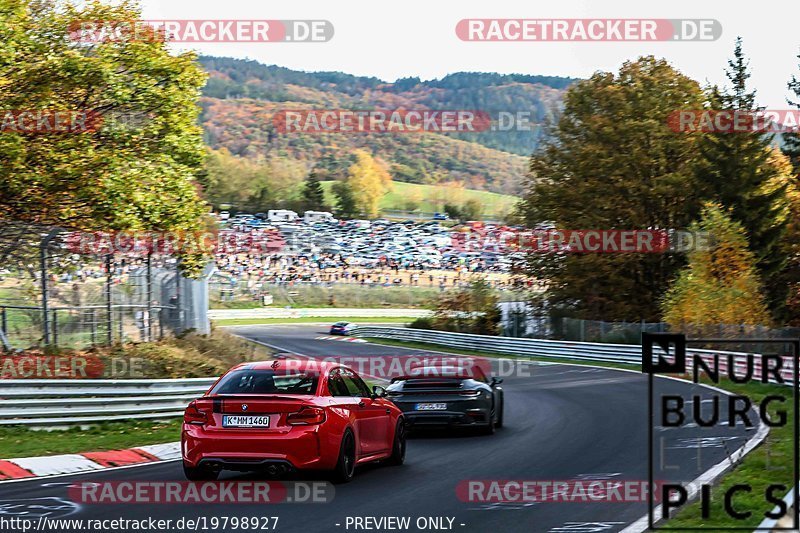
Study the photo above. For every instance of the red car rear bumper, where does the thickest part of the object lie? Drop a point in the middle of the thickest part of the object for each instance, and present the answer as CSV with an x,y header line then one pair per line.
x,y
301,447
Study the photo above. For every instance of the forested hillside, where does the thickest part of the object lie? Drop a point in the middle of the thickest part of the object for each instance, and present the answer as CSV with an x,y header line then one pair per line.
x,y
242,96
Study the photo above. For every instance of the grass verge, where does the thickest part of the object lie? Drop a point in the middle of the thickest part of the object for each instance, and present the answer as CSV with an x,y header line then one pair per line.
x,y
24,442
311,320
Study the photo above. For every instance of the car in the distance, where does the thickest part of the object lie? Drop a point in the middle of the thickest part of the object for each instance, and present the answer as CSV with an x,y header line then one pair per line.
x,y
441,395
342,328
286,415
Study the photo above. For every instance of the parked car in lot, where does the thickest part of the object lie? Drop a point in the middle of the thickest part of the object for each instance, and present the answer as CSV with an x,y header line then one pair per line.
x,y
440,216
342,328
285,415
448,396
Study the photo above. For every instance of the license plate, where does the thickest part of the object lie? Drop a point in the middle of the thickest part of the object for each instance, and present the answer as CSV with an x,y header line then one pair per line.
x,y
239,421
431,407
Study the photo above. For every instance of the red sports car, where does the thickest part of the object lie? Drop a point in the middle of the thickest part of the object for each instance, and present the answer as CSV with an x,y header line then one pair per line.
x,y
286,414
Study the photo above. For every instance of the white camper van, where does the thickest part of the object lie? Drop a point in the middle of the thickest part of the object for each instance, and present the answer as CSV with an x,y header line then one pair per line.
x,y
312,217
281,215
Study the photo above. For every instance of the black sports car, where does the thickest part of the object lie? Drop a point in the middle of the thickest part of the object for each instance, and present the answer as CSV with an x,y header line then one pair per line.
x,y
447,396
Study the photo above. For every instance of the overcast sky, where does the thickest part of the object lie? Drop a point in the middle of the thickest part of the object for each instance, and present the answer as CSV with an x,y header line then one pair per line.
x,y
404,38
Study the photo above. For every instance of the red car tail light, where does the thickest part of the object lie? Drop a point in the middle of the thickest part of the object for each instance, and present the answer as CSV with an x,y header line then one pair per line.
x,y
193,415
308,416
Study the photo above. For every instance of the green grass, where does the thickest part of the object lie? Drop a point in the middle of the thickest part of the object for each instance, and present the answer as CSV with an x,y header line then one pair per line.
x,y
23,442
768,464
433,198
343,294
311,320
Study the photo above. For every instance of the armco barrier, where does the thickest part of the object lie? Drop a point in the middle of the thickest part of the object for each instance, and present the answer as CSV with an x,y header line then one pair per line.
x,y
59,402
583,351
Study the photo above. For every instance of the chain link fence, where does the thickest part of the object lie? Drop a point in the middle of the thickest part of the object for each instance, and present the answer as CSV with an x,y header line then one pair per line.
x,y
378,291
574,329
53,295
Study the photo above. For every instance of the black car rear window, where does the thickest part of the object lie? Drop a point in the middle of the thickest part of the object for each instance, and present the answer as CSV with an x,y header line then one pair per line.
x,y
248,381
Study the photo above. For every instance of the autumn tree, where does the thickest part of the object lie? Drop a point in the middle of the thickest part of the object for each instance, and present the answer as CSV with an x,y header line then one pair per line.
x,y
238,181
137,169
719,285
473,309
612,162
413,200
472,209
369,181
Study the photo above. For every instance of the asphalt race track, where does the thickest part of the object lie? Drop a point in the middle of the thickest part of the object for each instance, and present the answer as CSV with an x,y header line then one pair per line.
x,y
562,422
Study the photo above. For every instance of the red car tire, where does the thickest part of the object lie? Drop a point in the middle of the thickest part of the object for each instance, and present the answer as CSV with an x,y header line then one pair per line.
x,y
346,464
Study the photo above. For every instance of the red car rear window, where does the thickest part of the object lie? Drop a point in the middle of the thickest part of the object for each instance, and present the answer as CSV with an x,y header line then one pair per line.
x,y
248,381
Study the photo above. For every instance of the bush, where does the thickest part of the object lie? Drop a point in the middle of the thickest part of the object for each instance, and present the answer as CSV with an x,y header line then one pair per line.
x,y
422,322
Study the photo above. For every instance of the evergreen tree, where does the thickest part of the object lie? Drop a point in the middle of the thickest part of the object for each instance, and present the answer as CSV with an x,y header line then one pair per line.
x,y
313,195
345,200
735,169
719,285
791,141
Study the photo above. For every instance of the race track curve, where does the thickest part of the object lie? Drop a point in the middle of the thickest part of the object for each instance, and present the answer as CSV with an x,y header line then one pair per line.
x,y
562,422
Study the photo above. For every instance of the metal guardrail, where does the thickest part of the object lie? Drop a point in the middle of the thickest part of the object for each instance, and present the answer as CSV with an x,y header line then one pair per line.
x,y
585,351
59,402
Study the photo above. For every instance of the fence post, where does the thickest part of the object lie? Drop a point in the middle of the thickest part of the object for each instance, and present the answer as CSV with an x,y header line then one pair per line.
x,y
121,317
109,316
43,267
55,327
93,329
149,318
3,321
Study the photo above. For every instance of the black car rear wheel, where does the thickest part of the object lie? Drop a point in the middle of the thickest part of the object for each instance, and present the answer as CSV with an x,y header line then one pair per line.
x,y
499,422
398,456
